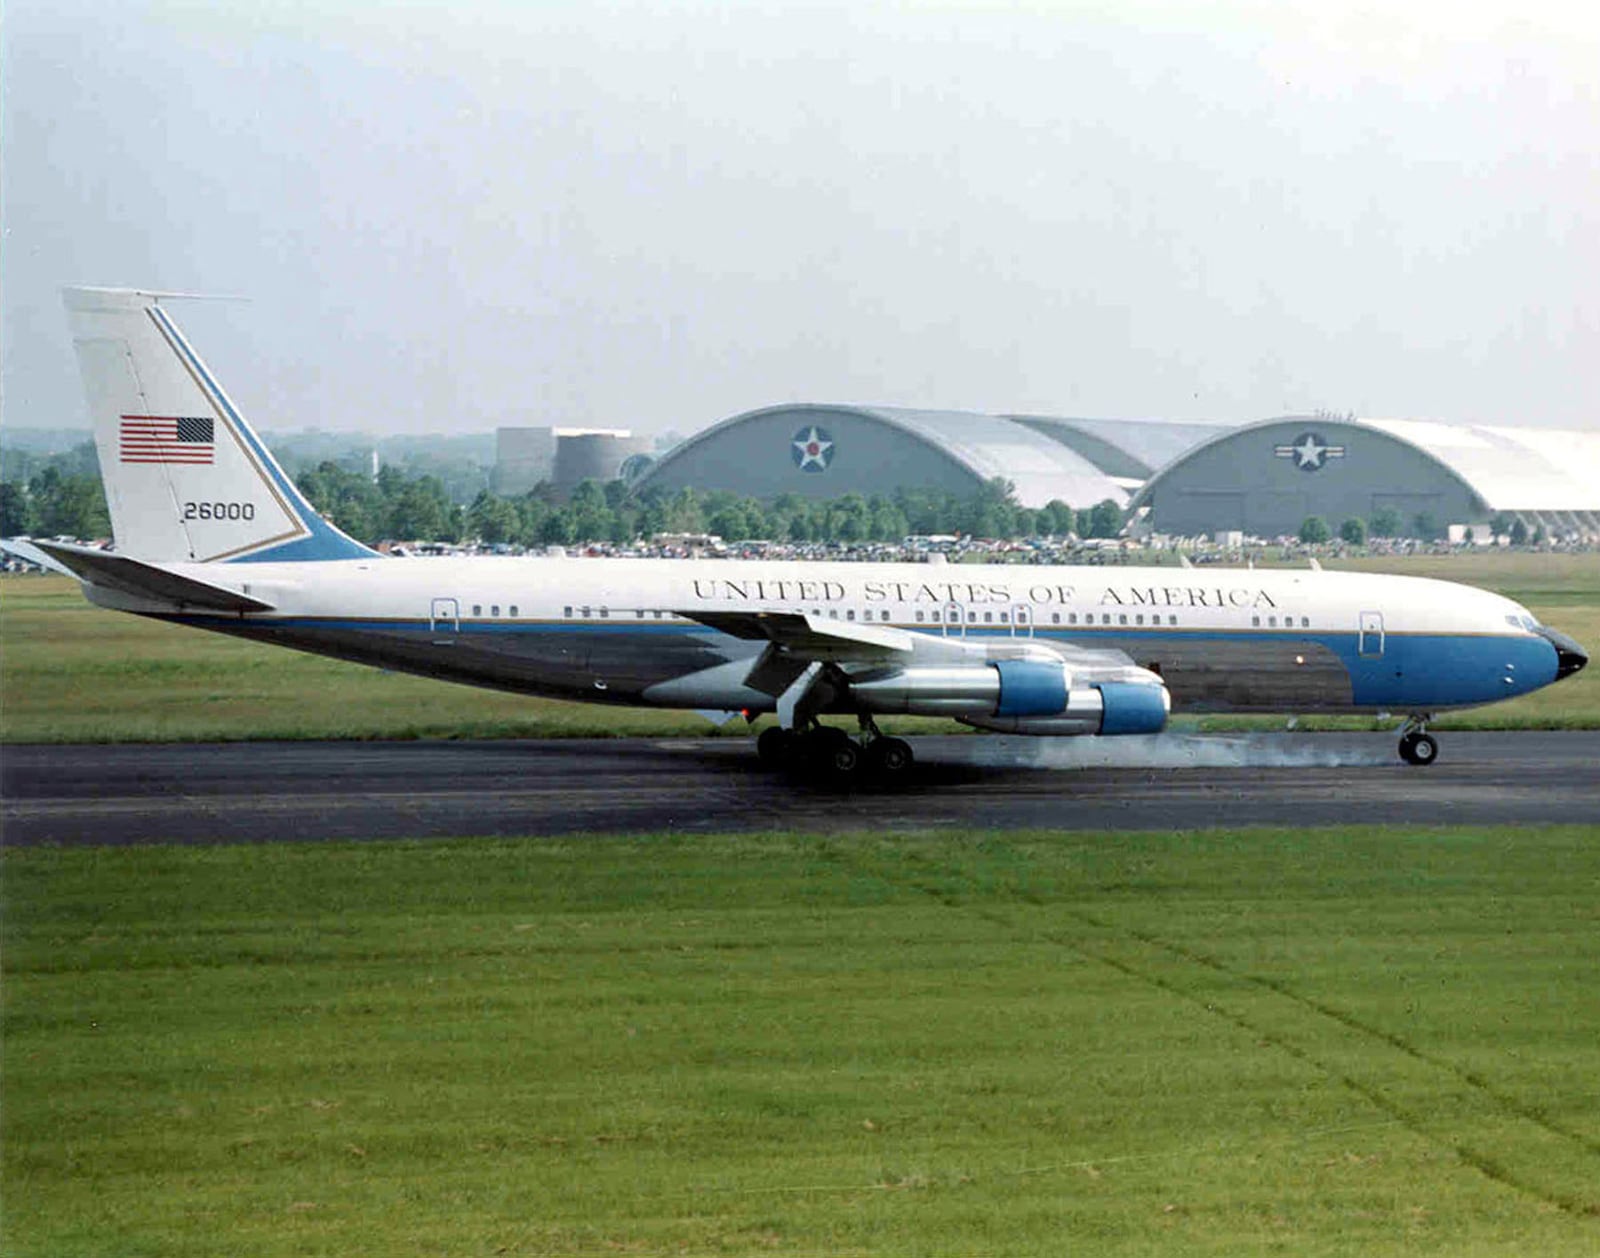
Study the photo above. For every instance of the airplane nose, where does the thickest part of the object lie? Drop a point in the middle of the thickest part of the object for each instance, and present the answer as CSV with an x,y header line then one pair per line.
x,y
1570,657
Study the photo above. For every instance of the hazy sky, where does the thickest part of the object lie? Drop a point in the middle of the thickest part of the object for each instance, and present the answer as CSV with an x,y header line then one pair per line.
x,y
449,216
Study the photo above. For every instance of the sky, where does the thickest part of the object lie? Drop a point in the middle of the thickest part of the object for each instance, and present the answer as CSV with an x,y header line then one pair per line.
x,y
450,216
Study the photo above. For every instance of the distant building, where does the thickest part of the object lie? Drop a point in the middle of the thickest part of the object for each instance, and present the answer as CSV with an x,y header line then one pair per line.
x,y
821,451
1265,479
563,457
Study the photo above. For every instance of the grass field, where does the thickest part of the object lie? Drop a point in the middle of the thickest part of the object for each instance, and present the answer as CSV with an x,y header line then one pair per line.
x,y
1362,1042
76,673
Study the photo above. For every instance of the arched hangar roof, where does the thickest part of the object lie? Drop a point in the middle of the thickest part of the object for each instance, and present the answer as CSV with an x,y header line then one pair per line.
x,y
872,449
1268,477
1511,469
1132,450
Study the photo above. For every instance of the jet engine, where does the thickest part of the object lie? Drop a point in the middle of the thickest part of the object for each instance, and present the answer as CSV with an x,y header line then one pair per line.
x,y
1022,697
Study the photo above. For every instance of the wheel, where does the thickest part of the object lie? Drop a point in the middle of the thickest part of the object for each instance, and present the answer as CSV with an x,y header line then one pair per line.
x,y
773,745
891,758
1419,749
840,757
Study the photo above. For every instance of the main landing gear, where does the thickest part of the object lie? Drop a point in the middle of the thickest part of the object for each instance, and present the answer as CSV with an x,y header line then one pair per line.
x,y
825,752
1417,746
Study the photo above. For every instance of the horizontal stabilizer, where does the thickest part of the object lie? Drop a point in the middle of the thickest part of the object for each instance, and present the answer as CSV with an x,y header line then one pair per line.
x,y
112,571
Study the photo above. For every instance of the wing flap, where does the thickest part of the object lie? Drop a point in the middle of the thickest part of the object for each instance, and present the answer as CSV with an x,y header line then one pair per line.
x,y
126,575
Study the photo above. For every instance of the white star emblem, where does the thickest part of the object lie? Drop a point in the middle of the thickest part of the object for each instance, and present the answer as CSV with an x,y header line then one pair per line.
x,y
1309,452
812,449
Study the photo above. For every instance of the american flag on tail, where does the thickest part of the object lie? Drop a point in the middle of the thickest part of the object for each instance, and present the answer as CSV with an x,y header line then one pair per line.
x,y
168,439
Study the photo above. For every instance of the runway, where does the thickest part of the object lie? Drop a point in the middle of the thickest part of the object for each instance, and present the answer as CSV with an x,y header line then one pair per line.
x,y
276,792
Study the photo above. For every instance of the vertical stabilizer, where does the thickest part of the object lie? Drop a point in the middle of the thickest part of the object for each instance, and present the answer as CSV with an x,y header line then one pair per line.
x,y
186,477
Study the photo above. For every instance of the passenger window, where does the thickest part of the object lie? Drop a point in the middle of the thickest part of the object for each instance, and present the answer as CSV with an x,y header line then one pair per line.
x,y
972,618
1072,618
1256,621
1139,619
659,615
495,610
586,613
513,609
477,609
1106,619
605,613
851,614
1305,622
1172,620
833,613
567,612
883,616
1005,618
1122,619
919,618
934,616
1272,622
988,618
1055,618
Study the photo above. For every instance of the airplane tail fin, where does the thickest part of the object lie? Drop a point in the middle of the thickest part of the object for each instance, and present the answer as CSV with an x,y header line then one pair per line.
x,y
186,478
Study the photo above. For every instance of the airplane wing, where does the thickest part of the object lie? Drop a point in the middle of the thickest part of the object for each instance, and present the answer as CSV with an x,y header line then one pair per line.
x,y
146,580
797,641
811,637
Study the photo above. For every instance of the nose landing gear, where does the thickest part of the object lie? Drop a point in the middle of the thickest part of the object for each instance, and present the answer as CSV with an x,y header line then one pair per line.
x,y
1417,746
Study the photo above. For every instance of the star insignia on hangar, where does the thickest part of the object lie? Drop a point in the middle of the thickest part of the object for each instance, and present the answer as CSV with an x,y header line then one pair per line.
x,y
1309,452
811,449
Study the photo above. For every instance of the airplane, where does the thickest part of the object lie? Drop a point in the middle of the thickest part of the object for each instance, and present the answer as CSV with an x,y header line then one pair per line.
x,y
209,532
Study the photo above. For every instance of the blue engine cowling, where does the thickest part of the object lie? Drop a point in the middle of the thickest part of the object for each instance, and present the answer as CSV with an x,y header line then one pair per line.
x,y
1131,708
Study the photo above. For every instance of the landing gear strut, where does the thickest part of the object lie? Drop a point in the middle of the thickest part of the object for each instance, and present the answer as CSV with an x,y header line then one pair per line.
x,y
1417,746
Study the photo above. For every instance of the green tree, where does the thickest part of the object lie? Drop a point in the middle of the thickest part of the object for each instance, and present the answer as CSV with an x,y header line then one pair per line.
x,y
1425,526
1384,522
1056,519
492,519
1314,530
16,509
556,529
1104,519
1354,531
1500,524
68,505
1519,532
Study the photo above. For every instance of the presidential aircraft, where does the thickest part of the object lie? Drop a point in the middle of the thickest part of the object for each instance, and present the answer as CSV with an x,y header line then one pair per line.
x,y
209,532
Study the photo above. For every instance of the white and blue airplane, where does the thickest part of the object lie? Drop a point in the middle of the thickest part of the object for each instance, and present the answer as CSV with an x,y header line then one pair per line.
x,y
209,532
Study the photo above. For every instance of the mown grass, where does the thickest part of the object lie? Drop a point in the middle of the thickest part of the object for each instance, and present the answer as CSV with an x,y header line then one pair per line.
x,y
1333,1042
76,673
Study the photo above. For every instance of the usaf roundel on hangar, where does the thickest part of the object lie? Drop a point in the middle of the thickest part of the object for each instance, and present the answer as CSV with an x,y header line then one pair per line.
x,y
1310,453
811,449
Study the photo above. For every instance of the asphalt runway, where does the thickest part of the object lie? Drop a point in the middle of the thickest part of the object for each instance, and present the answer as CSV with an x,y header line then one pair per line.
x,y
274,792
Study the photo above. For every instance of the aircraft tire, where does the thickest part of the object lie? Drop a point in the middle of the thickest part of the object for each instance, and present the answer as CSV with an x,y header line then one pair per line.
x,y
841,758
891,758
1419,749
774,745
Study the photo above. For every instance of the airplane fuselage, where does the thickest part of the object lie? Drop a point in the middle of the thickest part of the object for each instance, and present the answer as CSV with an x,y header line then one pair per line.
x,y
626,630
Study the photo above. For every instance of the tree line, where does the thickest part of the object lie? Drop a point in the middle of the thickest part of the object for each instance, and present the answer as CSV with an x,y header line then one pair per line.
x,y
62,496
419,510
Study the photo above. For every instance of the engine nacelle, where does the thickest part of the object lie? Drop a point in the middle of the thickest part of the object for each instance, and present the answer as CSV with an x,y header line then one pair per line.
x,y
1018,697
1109,708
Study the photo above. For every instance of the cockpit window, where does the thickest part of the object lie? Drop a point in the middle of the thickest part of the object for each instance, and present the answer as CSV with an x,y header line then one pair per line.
x,y
1522,621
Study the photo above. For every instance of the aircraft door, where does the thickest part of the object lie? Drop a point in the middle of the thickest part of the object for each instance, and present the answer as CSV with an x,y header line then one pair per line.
x,y
1021,620
444,619
954,614
1370,645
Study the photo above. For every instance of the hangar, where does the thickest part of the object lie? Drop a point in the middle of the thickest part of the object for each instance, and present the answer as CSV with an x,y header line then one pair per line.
x,y
1265,479
823,451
